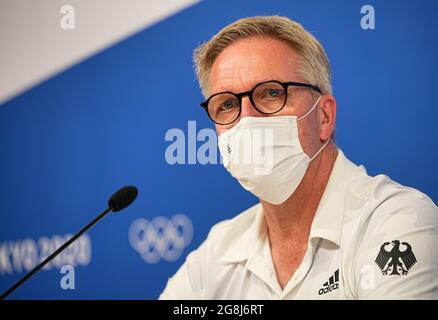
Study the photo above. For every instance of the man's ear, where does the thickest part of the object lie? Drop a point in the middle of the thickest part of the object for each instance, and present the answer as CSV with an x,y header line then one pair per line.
x,y
327,117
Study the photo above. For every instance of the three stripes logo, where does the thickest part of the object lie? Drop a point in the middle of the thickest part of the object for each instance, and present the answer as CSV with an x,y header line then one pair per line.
x,y
331,285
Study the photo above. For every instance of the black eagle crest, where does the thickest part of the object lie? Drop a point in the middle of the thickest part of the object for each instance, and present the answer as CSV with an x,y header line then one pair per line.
x,y
395,260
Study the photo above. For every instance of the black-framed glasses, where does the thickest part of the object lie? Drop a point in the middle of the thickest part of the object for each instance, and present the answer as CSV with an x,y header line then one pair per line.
x,y
267,97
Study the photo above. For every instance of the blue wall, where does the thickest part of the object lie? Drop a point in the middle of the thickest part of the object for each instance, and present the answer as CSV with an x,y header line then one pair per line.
x,y
68,143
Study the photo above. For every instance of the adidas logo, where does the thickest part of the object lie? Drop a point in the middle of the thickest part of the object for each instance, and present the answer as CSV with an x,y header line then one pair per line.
x,y
331,285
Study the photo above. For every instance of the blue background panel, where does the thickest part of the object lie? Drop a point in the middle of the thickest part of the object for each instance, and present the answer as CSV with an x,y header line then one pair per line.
x,y
71,141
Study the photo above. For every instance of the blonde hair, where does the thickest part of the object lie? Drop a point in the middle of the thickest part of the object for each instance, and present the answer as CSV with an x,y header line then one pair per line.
x,y
314,66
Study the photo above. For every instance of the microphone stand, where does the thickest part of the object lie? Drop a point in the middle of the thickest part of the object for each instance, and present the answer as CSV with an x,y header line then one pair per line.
x,y
55,253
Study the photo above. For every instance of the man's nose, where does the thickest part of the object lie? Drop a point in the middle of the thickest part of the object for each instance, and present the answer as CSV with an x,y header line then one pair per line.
x,y
248,110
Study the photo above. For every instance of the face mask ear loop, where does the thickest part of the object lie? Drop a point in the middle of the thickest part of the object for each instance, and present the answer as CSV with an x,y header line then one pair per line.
x,y
311,109
322,148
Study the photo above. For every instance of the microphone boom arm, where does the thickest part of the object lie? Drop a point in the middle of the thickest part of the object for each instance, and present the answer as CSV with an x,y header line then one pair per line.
x,y
55,253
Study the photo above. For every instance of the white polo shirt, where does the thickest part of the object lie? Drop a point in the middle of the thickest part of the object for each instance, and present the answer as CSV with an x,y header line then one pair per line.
x,y
371,238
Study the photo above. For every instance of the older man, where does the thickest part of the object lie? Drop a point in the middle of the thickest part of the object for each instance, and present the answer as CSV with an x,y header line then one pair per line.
x,y
323,229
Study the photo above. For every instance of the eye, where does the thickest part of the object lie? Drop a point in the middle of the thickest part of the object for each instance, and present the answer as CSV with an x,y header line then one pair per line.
x,y
274,92
227,105
270,93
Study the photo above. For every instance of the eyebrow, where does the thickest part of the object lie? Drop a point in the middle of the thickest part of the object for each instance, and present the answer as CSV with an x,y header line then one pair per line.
x,y
250,88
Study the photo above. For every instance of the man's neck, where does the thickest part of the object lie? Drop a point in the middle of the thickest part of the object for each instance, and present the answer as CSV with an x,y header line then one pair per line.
x,y
291,220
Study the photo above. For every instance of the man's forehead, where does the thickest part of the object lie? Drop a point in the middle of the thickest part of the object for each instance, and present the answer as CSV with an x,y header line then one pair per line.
x,y
243,76
250,61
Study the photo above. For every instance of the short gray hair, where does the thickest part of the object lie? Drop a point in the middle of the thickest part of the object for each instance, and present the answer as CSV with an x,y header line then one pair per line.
x,y
314,66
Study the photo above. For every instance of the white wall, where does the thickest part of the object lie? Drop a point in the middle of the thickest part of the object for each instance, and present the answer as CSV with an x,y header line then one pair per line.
x,y
34,47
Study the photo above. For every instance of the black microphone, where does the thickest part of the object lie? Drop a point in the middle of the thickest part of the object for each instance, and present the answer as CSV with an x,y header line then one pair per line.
x,y
118,201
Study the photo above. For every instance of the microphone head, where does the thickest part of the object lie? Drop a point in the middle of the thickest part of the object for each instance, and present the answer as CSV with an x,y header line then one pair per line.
x,y
122,198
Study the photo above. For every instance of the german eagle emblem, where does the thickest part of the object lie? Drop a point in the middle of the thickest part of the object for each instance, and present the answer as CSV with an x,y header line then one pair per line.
x,y
395,261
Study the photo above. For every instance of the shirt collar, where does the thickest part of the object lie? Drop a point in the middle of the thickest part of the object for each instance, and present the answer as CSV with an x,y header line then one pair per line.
x,y
327,223
328,220
251,241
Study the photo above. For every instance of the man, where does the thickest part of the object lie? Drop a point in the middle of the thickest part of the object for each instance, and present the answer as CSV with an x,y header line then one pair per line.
x,y
323,229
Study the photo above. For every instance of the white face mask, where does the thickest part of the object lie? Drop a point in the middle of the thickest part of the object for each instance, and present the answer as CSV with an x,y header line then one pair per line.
x,y
265,155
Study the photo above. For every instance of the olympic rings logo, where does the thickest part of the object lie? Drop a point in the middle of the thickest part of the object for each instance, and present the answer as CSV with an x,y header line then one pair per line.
x,y
161,238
